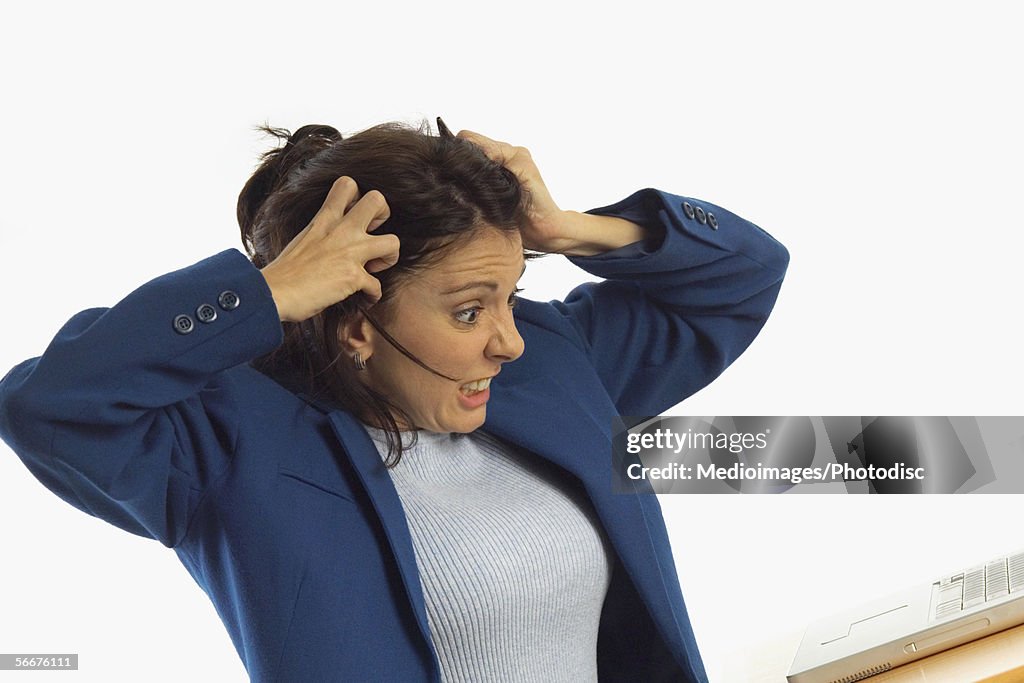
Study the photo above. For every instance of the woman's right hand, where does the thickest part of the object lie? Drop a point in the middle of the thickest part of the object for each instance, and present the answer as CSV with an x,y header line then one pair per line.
x,y
333,256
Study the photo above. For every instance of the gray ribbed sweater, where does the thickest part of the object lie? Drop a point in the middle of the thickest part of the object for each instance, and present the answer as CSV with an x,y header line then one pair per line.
x,y
513,560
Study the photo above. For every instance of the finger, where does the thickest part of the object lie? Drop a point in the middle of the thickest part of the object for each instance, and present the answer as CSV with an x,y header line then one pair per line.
x,y
380,219
382,252
377,265
369,212
293,242
344,193
371,287
494,149
478,137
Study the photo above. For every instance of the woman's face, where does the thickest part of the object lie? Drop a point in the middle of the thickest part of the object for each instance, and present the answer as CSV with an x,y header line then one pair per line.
x,y
456,317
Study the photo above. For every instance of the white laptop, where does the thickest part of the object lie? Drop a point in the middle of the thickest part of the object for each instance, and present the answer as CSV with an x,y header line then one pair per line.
x,y
912,624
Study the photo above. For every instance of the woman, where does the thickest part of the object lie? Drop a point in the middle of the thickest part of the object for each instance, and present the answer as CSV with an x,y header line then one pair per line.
x,y
322,435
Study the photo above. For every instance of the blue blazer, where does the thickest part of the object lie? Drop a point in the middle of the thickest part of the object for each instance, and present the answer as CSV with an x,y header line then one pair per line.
x,y
279,506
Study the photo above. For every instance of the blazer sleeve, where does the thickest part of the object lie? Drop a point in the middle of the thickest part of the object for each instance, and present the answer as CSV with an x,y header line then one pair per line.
x,y
131,420
678,308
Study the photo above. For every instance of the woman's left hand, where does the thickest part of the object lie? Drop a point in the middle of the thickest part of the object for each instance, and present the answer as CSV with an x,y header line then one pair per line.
x,y
549,228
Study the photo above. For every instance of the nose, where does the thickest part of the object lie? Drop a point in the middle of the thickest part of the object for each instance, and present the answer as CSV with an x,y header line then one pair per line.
x,y
505,343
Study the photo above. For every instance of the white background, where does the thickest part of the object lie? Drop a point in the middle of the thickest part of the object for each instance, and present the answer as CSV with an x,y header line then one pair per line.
x,y
880,142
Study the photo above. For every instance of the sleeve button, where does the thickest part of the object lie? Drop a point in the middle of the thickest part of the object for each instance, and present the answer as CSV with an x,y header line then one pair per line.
x,y
228,300
701,217
688,209
712,221
206,313
183,324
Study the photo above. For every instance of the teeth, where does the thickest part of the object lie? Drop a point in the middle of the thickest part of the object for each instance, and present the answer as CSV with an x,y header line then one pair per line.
x,y
473,387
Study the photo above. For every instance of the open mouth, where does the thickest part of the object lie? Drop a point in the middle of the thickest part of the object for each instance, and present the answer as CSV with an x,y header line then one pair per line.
x,y
475,387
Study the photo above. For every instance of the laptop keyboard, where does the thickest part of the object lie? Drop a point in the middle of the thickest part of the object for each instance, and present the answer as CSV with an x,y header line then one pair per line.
x,y
977,585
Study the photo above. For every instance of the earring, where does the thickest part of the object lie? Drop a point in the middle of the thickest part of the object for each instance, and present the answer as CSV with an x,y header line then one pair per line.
x,y
360,363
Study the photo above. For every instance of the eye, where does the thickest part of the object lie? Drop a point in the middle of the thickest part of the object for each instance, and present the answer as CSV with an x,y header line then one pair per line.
x,y
513,300
475,310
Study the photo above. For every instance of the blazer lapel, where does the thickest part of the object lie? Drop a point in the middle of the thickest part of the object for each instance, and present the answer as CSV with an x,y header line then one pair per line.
x,y
547,419
381,490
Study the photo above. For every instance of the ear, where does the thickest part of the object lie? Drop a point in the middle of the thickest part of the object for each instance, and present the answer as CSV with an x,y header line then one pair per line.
x,y
357,334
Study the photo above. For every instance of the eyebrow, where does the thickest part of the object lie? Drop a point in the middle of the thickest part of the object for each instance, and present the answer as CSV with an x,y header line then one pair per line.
x,y
478,283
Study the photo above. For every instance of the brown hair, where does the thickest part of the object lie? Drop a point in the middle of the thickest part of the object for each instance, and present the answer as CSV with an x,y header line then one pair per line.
x,y
441,190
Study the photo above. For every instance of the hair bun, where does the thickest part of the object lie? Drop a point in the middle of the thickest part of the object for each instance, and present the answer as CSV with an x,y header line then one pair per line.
x,y
276,164
313,130
304,143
